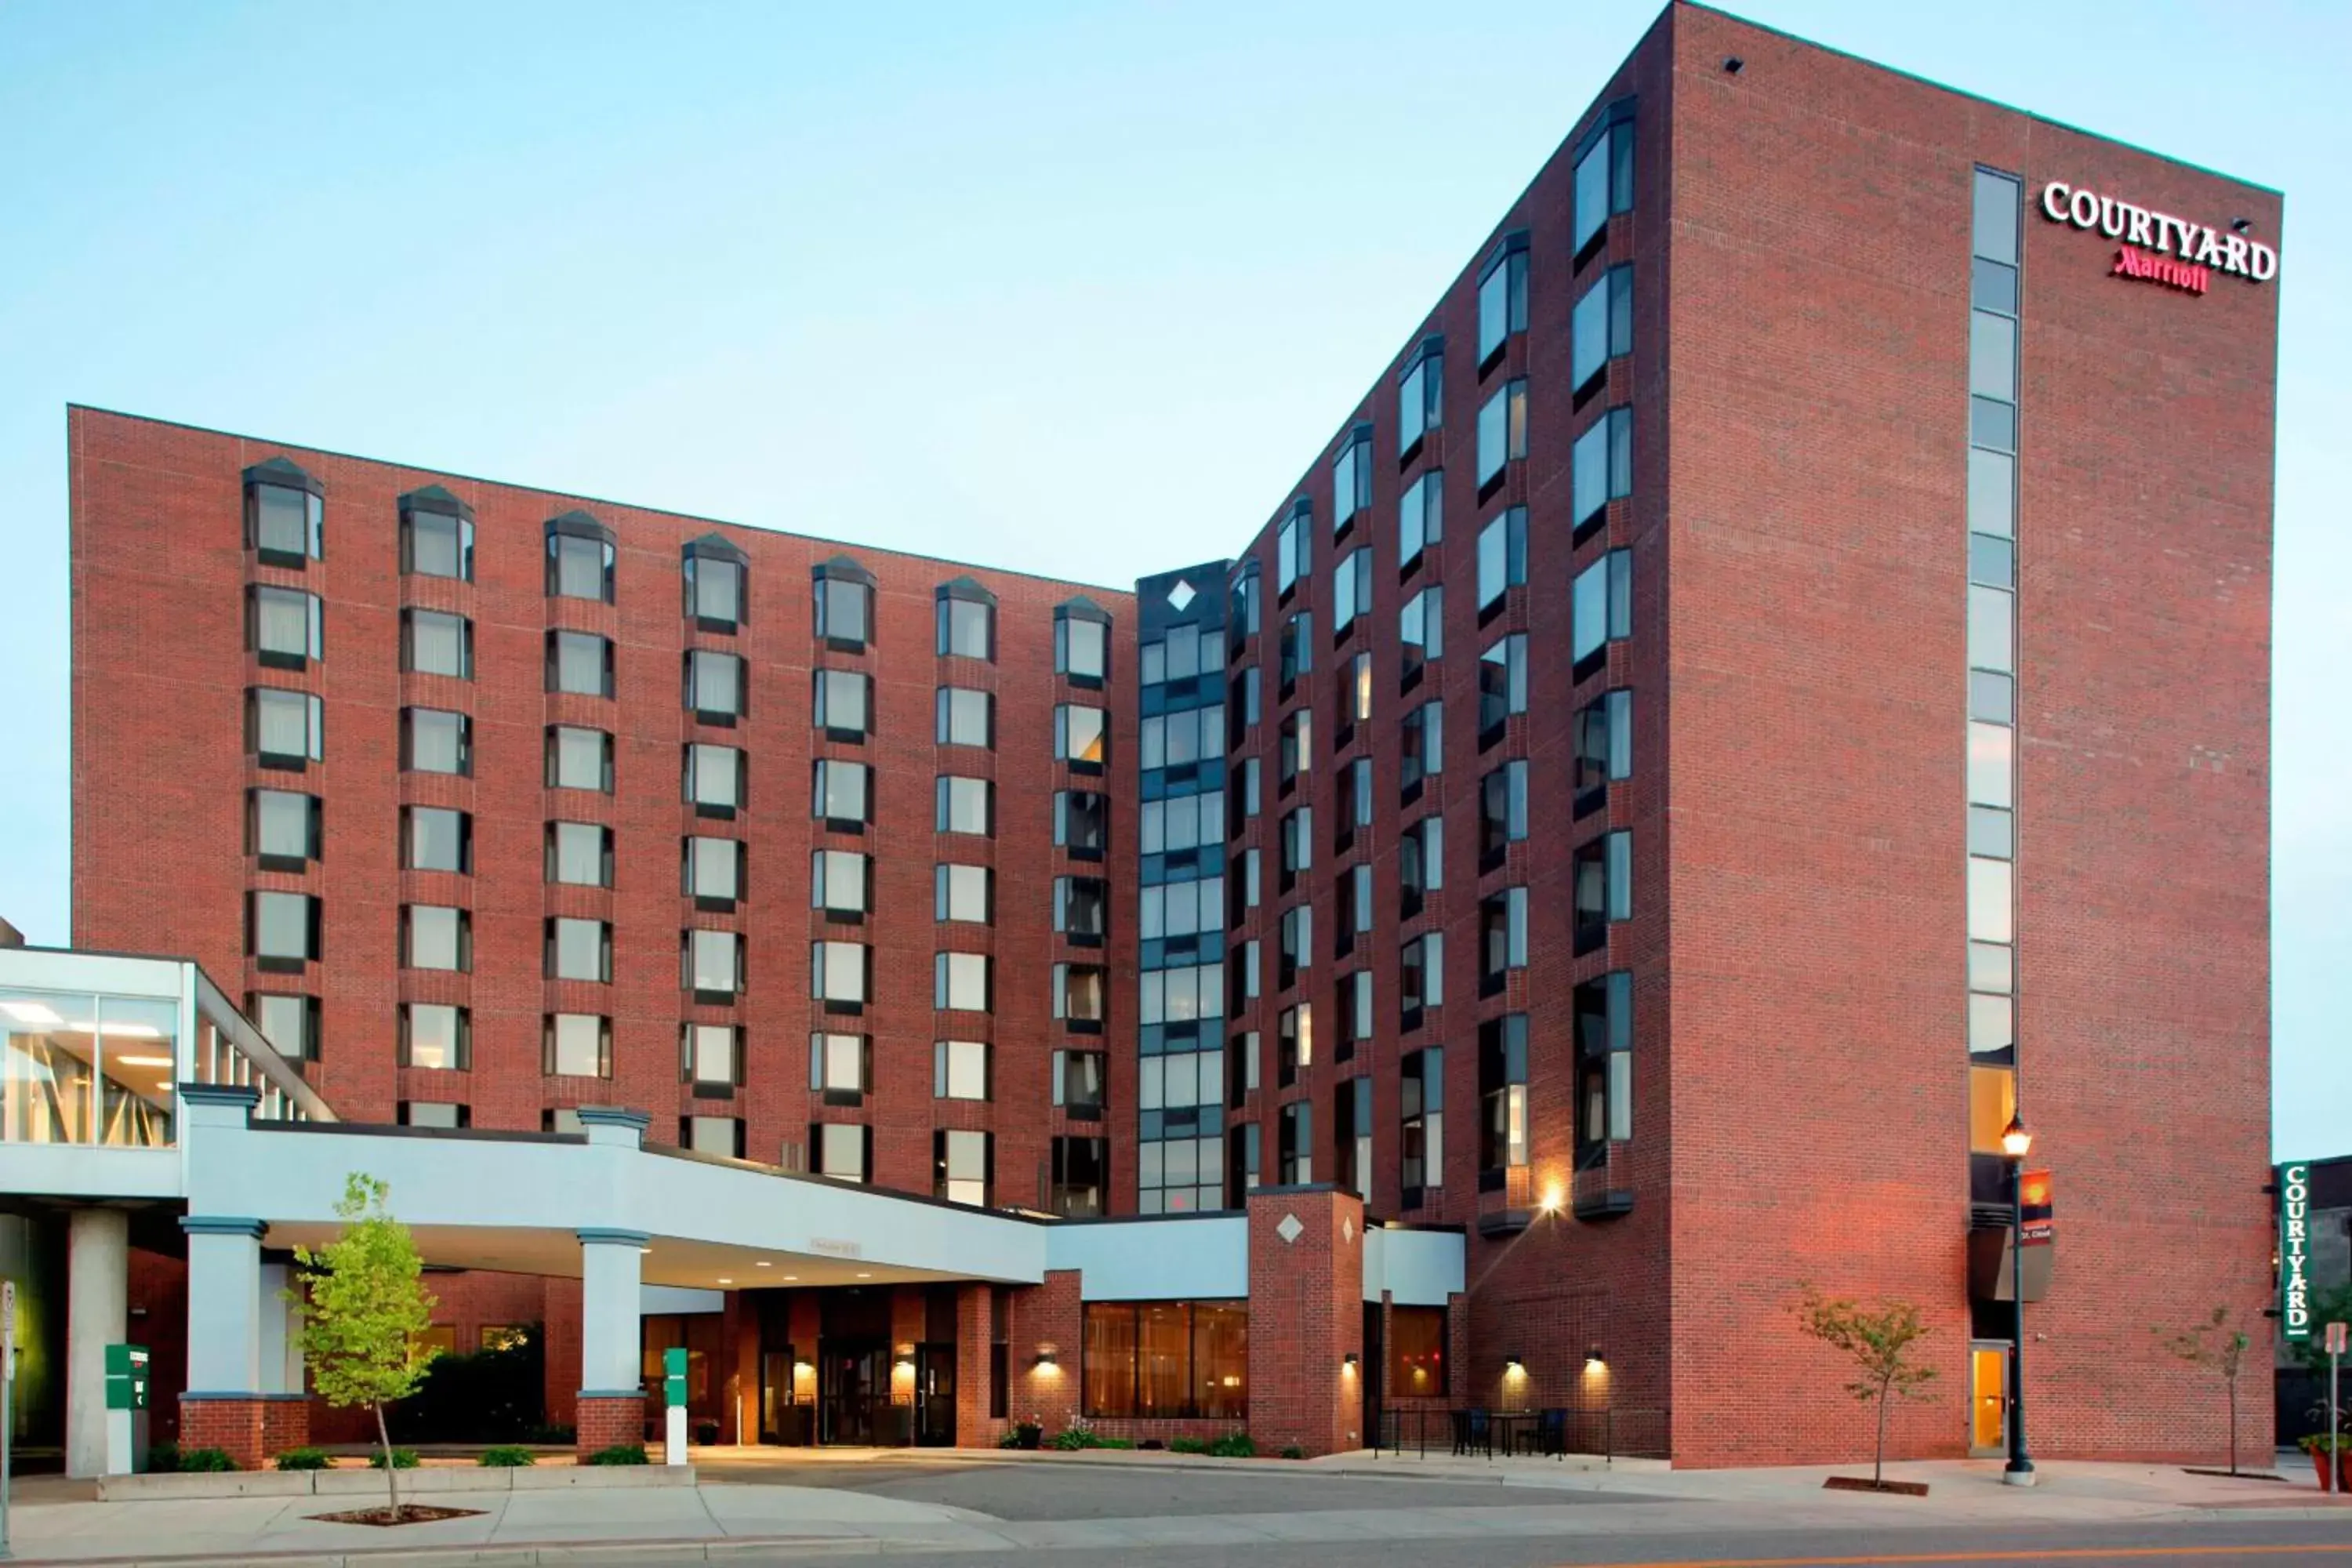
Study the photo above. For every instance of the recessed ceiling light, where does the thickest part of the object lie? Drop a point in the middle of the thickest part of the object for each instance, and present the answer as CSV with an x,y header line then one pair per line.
x,y
763,1264
793,1276
142,1062
862,1275
724,1280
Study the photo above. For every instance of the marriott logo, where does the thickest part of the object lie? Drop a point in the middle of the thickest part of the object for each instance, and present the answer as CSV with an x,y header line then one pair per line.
x,y
2156,245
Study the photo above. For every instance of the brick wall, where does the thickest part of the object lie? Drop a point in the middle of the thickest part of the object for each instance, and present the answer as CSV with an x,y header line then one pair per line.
x,y
158,560
239,1427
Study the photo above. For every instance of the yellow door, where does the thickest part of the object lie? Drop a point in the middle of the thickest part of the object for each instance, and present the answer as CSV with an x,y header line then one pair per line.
x,y
1988,1391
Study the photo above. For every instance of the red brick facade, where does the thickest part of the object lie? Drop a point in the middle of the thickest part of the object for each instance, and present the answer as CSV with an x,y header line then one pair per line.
x,y
1798,382
1794,516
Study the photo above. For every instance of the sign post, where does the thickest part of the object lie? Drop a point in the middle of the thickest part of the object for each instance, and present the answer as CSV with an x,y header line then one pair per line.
x,y
2295,1252
8,1398
2334,1467
674,1402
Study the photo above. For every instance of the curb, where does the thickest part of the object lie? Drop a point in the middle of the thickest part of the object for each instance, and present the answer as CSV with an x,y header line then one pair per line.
x,y
440,1481
655,1550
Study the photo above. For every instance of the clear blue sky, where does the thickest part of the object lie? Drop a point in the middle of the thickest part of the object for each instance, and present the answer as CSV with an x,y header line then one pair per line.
x,y
1070,288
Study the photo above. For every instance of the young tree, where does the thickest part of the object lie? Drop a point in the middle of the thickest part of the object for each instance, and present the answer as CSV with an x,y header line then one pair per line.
x,y
2219,1345
363,1307
1881,1341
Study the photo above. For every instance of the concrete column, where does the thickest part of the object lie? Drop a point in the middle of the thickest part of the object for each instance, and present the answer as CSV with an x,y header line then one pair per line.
x,y
610,1340
97,1302
224,1305
281,1348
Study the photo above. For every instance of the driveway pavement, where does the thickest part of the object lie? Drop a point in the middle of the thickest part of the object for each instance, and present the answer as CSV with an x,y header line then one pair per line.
x,y
1125,1508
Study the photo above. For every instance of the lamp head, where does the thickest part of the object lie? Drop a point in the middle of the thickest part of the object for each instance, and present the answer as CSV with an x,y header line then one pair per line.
x,y
2015,1140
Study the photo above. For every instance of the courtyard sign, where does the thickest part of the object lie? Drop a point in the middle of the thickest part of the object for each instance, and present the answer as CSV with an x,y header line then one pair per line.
x,y
2156,245
2295,1251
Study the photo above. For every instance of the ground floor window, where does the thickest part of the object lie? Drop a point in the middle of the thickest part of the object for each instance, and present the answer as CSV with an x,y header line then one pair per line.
x,y
1416,1352
1167,1360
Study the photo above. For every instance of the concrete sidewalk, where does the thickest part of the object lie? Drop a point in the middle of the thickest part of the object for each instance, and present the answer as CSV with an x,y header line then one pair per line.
x,y
720,1521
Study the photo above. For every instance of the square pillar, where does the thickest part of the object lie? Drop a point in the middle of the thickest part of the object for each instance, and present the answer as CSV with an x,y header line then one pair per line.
x,y
224,1406
98,1314
611,1405
1307,1317
975,1366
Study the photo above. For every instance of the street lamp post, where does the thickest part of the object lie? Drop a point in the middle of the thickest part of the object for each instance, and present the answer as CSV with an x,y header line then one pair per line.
x,y
2015,1143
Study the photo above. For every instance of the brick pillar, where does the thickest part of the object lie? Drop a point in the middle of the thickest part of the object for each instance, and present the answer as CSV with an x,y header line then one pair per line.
x,y
285,1422
975,1338
1307,1291
738,1416
236,1423
606,1419
1046,1324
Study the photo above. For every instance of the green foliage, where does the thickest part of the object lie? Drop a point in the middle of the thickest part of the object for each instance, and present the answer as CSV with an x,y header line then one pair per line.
x,y
1079,1434
1293,1451
364,1305
506,1457
163,1459
1188,1444
1881,1341
402,1459
304,1460
2329,1442
619,1454
205,1461
1234,1445
364,1308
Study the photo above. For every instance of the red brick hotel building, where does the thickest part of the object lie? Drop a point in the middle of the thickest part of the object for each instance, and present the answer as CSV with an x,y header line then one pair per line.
x,y
1770,683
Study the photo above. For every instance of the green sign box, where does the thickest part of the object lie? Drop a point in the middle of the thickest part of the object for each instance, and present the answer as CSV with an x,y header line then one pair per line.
x,y
674,1375
126,1377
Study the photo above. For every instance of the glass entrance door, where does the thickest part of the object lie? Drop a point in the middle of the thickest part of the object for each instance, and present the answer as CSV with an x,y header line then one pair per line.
x,y
1987,1399
852,1376
935,1395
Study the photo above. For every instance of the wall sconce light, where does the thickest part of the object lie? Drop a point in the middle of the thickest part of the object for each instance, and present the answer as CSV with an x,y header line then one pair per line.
x,y
1048,1358
1551,1200
1514,1366
2241,225
1347,1363
1733,64
1593,1362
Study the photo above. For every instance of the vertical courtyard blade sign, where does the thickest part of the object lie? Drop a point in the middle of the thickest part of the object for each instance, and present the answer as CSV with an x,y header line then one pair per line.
x,y
2157,248
2295,1252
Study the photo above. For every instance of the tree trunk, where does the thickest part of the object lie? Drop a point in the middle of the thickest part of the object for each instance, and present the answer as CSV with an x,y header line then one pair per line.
x,y
391,1474
2233,1426
1878,1463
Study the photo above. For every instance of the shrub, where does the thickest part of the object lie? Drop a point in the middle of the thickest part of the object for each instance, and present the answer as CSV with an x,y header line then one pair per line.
x,y
1293,1451
205,1461
163,1459
492,1396
401,1459
506,1457
619,1454
1011,1438
2331,1442
304,1460
1234,1445
705,1433
1188,1444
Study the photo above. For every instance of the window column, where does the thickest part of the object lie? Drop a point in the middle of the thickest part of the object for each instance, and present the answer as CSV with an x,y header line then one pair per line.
x,y
1991,756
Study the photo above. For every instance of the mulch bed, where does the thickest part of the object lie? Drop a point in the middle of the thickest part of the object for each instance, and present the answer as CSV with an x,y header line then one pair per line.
x,y
1863,1484
410,1514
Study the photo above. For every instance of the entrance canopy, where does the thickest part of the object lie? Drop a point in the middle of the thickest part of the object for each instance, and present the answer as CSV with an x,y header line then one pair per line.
x,y
524,1203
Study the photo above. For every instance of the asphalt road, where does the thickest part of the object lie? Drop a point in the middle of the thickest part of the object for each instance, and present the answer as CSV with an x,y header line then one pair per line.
x,y
1032,1492
2259,1545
